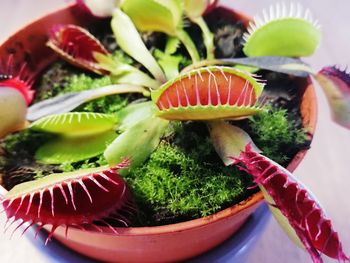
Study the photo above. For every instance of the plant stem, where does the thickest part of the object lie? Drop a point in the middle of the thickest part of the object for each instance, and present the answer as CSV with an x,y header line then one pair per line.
x,y
208,37
190,46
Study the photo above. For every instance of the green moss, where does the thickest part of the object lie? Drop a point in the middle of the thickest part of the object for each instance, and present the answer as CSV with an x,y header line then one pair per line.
x,y
89,163
82,82
274,134
62,80
185,180
121,57
109,104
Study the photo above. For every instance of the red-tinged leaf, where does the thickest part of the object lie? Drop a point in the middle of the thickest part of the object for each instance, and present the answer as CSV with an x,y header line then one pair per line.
x,y
296,204
69,199
77,46
336,86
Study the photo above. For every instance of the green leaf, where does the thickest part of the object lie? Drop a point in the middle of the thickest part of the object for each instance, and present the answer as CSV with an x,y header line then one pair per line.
x,y
134,113
154,15
229,140
74,149
172,44
75,123
169,63
194,10
291,66
130,41
67,102
208,36
137,142
126,74
136,77
190,46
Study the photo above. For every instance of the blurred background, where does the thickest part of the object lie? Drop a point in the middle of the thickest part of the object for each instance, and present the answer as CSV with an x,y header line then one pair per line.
x,y
326,168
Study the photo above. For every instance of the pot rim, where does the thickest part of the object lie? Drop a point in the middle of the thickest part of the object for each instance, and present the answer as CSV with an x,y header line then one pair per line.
x,y
308,110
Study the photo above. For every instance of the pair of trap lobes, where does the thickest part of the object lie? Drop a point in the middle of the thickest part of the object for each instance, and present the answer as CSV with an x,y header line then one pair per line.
x,y
209,93
80,199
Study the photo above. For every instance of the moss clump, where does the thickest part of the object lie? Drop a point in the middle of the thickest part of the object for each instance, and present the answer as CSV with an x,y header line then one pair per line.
x,y
274,133
185,180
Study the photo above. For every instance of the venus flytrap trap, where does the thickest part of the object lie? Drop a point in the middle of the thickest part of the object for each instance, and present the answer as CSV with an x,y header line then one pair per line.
x,y
165,140
15,89
69,199
294,206
282,32
209,93
79,136
77,46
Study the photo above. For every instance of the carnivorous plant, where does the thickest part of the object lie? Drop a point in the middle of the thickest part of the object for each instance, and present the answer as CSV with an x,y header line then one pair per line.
x,y
210,90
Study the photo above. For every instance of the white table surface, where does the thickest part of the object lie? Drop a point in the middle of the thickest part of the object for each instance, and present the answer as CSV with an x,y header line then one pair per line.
x,y
325,169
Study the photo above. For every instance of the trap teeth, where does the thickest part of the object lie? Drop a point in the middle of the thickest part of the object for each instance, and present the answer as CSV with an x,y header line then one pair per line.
x,y
209,93
282,31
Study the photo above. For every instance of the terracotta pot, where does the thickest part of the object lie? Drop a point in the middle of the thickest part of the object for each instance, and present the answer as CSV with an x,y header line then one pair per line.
x,y
144,244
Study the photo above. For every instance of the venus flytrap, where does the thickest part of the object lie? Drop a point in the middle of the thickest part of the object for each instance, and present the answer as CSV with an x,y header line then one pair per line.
x,y
208,91
63,149
78,136
293,205
69,199
78,47
282,32
15,89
